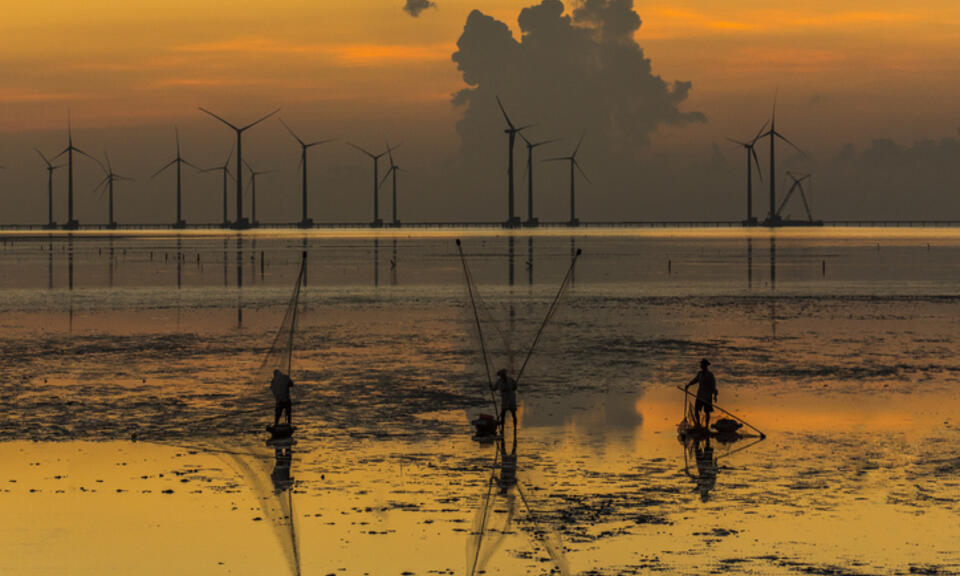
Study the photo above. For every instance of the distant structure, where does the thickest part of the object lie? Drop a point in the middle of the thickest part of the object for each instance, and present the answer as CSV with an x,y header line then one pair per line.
x,y
225,169
574,221
253,192
797,185
377,222
71,223
305,221
511,131
51,168
179,161
241,222
751,156
392,171
773,219
108,184
532,220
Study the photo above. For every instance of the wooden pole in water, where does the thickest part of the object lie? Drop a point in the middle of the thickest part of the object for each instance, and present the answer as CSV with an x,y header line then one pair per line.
x,y
727,412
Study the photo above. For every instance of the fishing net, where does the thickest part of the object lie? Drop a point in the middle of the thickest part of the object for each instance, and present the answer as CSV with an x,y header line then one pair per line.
x,y
506,342
505,500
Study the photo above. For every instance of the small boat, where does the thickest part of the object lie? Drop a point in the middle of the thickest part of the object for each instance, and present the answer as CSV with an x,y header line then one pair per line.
x,y
724,429
485,428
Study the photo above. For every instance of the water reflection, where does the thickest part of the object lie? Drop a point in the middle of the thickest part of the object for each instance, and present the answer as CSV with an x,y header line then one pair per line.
x,y
393,263
700,451
750,264
498,507
239,282
376,262
530,261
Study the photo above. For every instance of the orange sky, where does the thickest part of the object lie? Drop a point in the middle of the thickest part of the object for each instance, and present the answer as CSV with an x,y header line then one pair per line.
x,y
119,62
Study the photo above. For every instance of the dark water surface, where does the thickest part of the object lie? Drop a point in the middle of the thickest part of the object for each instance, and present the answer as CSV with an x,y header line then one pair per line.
x,y
840,344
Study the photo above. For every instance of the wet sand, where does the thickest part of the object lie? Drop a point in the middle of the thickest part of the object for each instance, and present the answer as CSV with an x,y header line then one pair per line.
x,y
842,348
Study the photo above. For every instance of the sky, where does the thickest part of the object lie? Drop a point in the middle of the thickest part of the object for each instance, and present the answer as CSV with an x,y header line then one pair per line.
x,y
867,90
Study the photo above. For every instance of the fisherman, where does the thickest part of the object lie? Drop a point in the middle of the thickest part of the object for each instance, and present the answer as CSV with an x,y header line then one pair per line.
x,y
280,386
706,393
508,398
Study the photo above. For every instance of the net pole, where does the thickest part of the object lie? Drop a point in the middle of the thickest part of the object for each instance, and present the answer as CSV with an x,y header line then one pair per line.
x,y
550,311
476,317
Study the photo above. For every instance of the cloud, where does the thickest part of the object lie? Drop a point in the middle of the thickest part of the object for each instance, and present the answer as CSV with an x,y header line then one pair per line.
x,y
569,72
415,7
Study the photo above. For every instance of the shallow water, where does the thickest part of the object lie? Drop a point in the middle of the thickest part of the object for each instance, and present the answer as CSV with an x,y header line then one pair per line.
x,y
840,345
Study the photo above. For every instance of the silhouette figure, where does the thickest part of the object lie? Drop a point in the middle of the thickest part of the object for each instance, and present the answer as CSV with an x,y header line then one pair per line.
x,y
706,394
280,386
508,399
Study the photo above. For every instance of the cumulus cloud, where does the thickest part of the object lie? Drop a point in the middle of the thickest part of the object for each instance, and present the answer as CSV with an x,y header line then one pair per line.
x,y
567,72
415,7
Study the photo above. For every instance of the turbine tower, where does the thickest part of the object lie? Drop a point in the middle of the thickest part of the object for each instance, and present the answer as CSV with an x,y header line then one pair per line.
x,y
240,223
511,131
107,184
179,161
392,171
573,164
51,168
253,192
532,221
225,168
773,219
305,222
377,222
750,147
71,223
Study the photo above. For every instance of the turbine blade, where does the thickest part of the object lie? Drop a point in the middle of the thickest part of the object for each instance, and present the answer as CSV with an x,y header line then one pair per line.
x,y
295,137
557,159
739,142
587,178
390,154
45,161
502,109
319,142
757,162
109,166
367,152
524,138
219,118
784,138
100,164
545,142
252,124
524,127
579,142
385,176
762,128
165,166
176,132
190,164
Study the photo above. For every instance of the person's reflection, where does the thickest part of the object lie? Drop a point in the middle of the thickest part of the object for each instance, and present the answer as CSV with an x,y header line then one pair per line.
x,y
701,452
283,465
508,466
393,265
530,261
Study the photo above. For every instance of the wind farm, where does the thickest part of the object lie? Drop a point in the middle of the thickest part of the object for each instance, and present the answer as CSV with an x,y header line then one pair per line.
x,y
305,336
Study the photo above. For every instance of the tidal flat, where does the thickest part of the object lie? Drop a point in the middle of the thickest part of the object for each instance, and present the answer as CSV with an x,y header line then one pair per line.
x,y
133,427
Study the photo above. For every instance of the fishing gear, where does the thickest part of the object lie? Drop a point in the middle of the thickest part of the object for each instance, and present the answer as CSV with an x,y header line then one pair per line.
x,y
727,412
476,317
550,312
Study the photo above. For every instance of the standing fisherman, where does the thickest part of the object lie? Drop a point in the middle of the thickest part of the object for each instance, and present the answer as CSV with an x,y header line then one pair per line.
x,y
508,398
280,386
706,393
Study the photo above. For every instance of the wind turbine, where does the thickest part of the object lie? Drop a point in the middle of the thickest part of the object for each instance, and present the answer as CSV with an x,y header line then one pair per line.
x,y
751,155
253,192
377,222
511,131
107,184
71,223
225,168
531,220
240,223
573,164
797,185
51,168
305,222
392,171
179,161
773,219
